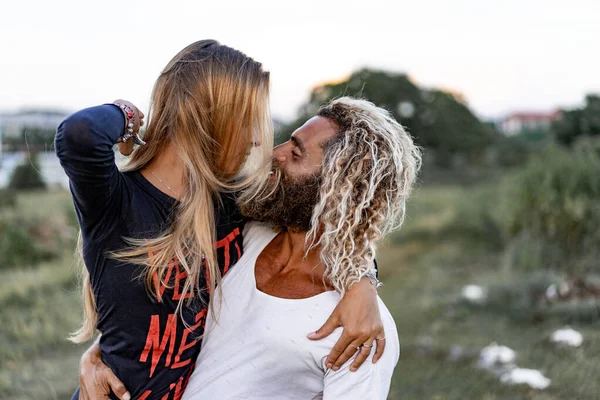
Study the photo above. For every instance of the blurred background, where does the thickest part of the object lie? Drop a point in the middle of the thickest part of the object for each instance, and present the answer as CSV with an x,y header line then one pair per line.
x,y
494,279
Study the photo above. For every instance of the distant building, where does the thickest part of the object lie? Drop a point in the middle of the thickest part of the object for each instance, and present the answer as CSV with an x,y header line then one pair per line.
x,y
12,124
519,122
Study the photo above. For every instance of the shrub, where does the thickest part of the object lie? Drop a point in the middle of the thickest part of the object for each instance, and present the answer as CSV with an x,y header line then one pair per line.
x,y
477,221
8,198
17,247
27,176
27,242
556,203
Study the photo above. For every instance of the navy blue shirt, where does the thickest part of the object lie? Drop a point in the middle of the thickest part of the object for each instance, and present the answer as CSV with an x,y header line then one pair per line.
x,y
144,341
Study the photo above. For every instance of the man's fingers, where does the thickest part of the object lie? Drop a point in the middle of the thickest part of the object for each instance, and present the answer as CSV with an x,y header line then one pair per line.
x,y
348,353
325,330
361,357
116,385
83,393
380,343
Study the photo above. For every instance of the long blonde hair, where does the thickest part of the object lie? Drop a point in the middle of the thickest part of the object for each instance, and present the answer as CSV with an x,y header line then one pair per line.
x,y
210,102
368,172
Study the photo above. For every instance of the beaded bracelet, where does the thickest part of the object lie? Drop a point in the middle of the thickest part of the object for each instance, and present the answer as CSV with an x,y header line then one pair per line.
x,y
129,114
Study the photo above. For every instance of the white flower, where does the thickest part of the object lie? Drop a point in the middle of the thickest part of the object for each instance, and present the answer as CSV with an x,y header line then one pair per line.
x,y
531,377
567,336
474,293
552,292
494,356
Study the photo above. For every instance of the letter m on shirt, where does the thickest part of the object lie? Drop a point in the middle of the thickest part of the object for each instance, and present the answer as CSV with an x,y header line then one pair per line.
x,y
156,344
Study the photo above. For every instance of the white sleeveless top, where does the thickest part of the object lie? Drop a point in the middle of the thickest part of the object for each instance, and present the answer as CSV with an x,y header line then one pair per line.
x,y
258,349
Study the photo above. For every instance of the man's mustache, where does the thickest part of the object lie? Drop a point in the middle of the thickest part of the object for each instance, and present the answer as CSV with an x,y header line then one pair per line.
x,y
276,170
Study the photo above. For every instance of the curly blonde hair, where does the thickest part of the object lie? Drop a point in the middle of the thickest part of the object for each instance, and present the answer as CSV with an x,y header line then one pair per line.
x,y
368,172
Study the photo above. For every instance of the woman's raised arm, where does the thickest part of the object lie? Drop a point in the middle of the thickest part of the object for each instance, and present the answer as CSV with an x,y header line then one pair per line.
x,y
84,145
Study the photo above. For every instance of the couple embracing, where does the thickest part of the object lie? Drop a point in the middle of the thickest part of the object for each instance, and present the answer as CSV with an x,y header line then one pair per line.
x,y
218,267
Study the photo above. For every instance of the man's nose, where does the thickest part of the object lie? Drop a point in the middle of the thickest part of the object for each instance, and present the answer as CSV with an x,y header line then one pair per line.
x,y
279,154
280,158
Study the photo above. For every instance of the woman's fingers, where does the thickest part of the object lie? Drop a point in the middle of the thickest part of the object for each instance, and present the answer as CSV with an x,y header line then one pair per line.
x,y
338,350
348,353
380,344
362,355
327,329
126,148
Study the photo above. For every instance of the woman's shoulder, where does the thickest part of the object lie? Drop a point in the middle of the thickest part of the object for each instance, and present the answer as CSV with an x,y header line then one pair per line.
x,y
227,210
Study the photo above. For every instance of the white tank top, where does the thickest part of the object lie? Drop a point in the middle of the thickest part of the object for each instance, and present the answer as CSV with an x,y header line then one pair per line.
x,y
257,347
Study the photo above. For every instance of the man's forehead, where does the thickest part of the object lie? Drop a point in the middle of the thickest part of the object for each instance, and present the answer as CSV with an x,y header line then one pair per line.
x,y
316,129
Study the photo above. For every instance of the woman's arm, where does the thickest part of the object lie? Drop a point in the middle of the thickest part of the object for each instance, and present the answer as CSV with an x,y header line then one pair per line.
x,y
84,145
358,313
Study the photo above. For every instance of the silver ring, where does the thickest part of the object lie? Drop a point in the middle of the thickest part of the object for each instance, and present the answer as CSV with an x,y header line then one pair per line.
x,y
380,339
368,346
356,347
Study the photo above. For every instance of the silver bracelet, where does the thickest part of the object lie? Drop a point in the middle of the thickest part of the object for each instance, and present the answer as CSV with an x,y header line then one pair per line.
x,y
373,278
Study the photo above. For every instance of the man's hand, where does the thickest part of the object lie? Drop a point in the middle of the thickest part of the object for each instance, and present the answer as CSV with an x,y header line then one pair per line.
x,y
96,380
358,313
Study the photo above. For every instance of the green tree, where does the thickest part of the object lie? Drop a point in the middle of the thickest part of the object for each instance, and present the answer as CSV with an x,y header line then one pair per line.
x,y
578,122
438,120
27,175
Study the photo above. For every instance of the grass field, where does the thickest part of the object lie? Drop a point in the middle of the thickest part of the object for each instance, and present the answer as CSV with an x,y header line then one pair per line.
x,y
423,279
423,267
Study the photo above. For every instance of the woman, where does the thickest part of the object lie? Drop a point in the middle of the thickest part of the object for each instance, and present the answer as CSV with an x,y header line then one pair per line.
x,y
157,236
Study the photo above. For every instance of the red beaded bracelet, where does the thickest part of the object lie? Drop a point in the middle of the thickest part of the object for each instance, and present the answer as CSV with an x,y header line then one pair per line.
x,y
129,114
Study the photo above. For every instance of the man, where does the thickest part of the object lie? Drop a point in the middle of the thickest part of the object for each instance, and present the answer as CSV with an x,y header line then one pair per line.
x,y
339,185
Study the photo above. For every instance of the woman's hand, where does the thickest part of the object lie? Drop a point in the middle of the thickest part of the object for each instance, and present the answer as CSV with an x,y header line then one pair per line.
x,y
358,314
138,121
96,380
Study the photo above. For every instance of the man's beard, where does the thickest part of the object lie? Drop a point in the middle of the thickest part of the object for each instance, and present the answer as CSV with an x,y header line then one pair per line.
x,y
290,204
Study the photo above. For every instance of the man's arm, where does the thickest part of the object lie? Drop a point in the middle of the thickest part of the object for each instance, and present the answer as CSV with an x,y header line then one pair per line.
x,y
96,380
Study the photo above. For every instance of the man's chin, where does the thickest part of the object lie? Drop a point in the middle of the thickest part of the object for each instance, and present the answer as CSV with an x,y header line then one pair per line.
x,y
289,205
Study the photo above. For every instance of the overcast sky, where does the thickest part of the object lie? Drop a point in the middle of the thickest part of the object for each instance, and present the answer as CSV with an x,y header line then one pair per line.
x,y
501,55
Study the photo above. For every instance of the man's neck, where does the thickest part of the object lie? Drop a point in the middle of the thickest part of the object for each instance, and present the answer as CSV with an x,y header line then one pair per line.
x,y
293,245
282,270
290,246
